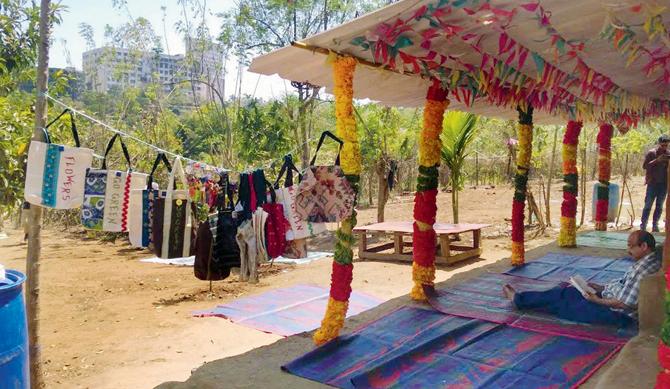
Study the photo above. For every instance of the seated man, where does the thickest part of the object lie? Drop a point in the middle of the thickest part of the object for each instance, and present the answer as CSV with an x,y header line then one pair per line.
x,y
614,303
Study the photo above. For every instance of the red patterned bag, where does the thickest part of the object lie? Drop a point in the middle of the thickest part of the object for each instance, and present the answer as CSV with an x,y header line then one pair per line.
x,y
325,195
276,227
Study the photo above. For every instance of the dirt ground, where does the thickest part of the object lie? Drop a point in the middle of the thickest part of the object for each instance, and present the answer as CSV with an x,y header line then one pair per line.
x,y
110,321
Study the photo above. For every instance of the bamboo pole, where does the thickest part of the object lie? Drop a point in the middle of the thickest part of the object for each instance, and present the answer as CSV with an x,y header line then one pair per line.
x,y
35,215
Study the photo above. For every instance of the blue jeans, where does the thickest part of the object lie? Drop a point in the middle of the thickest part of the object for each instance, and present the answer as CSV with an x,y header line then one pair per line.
x,y
655,192
567,303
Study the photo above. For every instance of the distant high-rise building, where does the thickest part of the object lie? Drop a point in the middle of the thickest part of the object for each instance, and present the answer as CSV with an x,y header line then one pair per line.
x,y
197,72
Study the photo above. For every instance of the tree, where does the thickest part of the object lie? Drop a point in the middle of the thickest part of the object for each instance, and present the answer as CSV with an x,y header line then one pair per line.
x,y
457,135
258,26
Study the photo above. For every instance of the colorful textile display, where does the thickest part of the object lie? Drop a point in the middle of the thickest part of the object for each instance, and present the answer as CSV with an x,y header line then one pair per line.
x,y
422,348
425,199
107,194
340,286
325,193
521,183
171,218
56,174
604,140
663,378
286,196
567,236
141,206
286,311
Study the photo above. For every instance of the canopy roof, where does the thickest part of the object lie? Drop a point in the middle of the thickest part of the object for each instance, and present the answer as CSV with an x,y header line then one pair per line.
x,y
587,59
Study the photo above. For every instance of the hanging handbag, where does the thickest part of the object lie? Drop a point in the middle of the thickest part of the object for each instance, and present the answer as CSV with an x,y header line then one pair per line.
x,y
171,218
107,194
325,194
55,174
276,227
216,250
286,196
141,207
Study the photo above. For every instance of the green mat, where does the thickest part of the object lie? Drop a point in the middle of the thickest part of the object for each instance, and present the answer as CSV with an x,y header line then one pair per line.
x,y
609,239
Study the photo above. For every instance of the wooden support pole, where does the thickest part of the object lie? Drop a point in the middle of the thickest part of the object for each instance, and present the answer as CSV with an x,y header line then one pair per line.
x,y
35,214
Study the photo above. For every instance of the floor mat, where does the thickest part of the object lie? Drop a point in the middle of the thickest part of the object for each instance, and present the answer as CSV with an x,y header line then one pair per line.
x,y
417,348
560,267
311,256
184,261
609,239
481,298
287,311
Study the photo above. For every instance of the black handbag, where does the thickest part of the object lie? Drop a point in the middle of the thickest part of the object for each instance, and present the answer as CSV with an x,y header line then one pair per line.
x,y
216,249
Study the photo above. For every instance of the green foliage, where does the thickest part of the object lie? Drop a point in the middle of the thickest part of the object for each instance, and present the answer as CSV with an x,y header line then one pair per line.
x,y
458,134
16,121
263,132
259,26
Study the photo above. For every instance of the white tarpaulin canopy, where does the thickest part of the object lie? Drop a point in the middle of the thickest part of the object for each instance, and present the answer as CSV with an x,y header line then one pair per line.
x,y
589,59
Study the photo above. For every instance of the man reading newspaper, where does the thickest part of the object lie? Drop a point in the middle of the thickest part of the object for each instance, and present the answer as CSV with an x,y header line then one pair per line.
x,y
613,303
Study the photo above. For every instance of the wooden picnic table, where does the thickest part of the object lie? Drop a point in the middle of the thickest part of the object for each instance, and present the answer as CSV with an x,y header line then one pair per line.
x,y
444,245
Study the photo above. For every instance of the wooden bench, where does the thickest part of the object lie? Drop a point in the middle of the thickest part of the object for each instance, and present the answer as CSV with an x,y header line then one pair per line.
x,y
444,245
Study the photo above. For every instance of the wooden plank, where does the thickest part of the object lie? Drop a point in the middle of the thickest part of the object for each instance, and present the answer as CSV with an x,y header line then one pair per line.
x,y
362,244
381,247
476,238
398,243
386,257
445,248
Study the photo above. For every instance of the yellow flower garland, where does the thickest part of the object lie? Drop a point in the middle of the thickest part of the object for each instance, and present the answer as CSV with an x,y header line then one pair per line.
x,y
421,275
430,145
333,321
525,151
343,70
567,237
350,162
525,145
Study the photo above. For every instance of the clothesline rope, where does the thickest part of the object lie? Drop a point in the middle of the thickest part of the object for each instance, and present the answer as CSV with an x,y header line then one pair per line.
x,y
158,149
126,135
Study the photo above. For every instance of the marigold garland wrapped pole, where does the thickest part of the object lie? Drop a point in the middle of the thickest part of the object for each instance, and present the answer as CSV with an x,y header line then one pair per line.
x,y
525,135
663,377
425,199
340,285
567,237
604,140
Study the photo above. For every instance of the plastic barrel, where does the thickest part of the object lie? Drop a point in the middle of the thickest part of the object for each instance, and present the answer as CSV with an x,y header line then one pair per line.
x,y
613,202
14,369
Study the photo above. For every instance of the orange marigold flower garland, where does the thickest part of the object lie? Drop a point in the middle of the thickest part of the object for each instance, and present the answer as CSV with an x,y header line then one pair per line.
x,y
604,140
525,134
425,200
350,161
567,237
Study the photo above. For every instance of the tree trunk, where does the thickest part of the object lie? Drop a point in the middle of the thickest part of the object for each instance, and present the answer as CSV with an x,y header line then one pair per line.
x,y
623,185
370,179
382,188
454,199
550,175
476,169
35,215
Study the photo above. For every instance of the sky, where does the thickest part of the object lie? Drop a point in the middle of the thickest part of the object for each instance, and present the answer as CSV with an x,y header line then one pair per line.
x,y
68,45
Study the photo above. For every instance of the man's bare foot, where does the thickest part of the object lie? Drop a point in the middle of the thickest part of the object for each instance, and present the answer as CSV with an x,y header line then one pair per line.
x,y
509,292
